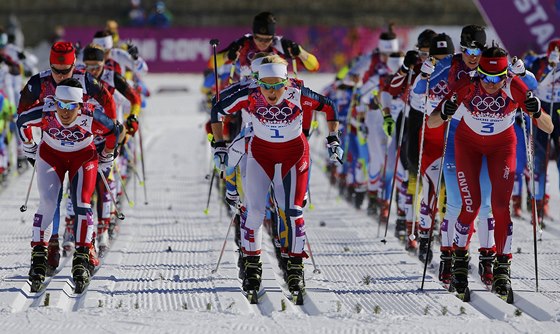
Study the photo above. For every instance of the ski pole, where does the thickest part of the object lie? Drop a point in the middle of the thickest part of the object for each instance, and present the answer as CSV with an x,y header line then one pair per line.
x,y
418,173
436,195
294,67
397,157
23,208
530,165
143,166
315,269
118,172
120,215
215,270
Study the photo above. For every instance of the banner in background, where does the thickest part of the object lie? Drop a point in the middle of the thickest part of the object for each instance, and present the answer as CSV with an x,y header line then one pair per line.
x,y
188,49
523,24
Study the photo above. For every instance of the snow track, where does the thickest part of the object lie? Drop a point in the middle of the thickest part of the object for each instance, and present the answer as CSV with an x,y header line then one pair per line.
x,y
157,273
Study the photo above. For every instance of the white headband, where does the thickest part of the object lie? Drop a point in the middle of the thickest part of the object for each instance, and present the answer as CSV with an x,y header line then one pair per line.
x,y
273,70
105,42
388,45
255,63
71,94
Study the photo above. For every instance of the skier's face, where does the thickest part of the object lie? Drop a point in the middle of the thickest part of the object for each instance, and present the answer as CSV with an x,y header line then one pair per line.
x,y
471,57
424,53
67,111
272,88
60,72
263,42
95,68
492,86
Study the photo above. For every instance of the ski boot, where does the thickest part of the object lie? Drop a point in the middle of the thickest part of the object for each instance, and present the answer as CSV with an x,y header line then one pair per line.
x,y
372,204
93,257
445,267
81,269
359,199
516,199
460,278
424,253
113,226
400,228
38,269
68,238
502,282
485,261
295,279
103,236
252,277
53,257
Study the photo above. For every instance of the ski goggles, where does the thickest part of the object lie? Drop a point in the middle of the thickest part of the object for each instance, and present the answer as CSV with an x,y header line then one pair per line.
x,y
93,67
472,51
62,72
493,79
67,105
275,86
263,39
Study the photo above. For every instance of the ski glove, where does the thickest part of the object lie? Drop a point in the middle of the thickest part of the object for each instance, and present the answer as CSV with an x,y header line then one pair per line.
x,y
233,49
333,145
449,109
517,67
427,67
105,161
30,150
388,125
410,59
132,51
291,48
220,155
21,55
533,105
131,124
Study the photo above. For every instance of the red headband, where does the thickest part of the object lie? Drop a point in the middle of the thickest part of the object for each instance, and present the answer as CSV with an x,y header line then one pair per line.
x,y
62,53
493,65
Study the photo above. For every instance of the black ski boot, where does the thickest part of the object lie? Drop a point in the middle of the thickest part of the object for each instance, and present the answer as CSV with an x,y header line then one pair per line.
x,y
400,229
460,278
38,269
485,262
372,207
81,269
53,257
445,267
359,197
502,281
252,277
423,251
295,279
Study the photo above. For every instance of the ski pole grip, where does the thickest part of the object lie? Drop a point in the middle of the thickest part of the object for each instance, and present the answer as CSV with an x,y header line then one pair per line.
x,y
214,42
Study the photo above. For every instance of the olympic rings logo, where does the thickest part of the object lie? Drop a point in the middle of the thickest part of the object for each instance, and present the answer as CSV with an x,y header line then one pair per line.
x,y
66,134
441,88
488,103
274,113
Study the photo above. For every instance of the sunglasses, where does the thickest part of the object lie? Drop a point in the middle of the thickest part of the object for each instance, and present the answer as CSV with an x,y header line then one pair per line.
x,y
424,54
67,105
93,67
275,86
66,71
494,79
263,39
472,51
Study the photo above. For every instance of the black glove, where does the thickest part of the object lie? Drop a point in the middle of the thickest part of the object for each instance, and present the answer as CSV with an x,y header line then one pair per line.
x,y
21,55
132,51
411,58
291,48
233,48
449,108
533,105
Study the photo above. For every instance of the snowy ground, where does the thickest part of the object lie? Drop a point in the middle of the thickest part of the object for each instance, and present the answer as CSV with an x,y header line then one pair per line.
x,y
157,276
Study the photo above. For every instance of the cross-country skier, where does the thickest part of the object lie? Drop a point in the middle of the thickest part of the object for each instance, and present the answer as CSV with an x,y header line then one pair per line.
x,y
276,110
68,127
489,102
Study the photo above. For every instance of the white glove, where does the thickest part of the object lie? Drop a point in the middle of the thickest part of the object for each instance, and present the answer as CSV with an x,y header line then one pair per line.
x,y
105,161
427,67
220,155
554,57
30,150
517,67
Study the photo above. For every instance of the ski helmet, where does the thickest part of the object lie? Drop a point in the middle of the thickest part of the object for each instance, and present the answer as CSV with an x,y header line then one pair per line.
x,y
264,23
424,38
473,36
441,44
